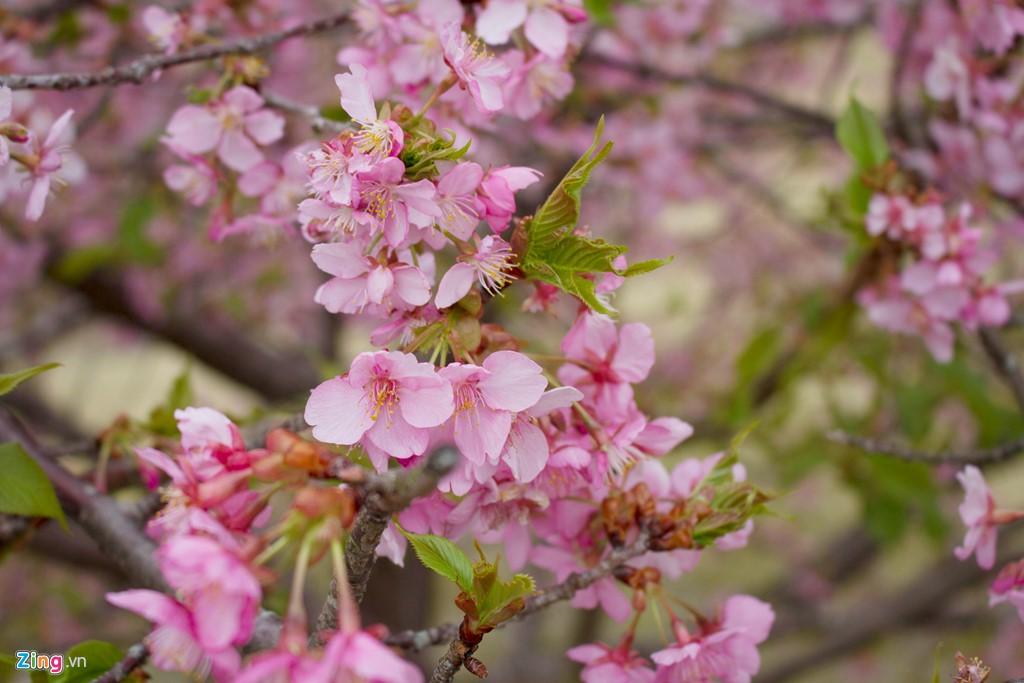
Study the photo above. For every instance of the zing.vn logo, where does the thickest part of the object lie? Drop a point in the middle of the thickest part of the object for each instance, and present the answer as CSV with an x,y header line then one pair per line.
x,y
33,661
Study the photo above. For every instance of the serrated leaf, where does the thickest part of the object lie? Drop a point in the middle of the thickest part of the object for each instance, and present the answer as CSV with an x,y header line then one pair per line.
x,y
99,657
860,134
561,211
647,266
443,557
12,379
25,488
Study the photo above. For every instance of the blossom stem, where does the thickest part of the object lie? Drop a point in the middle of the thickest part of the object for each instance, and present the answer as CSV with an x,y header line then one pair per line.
x,y
348,617
442,87
296,607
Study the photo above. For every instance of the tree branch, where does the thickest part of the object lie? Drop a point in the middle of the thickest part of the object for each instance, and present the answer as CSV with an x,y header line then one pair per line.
x,y
135,657
977,457
575,582
385,494
137,71
818,122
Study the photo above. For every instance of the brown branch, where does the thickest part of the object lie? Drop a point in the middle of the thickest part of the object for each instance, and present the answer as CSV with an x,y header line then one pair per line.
x,y
575,582
385,495
451,661
276,376
137,71
977,457
135,657
814,120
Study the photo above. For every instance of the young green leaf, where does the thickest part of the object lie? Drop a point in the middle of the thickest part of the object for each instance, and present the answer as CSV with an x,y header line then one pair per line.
x,y
9,381
99,657
560,213
24,487
444,557
861,135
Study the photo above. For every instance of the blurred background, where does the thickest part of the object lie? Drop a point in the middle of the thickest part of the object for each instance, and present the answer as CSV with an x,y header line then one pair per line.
x,y
753,320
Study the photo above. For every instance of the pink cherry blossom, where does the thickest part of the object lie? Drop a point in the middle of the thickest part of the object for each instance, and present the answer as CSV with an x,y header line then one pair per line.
x,y
360,281
546,23
196,179
603,664
534,83
44,161
606,361
489,265
1009,587
359,656
376,137
476,69
725,648
976,511
166,29
486,399
390,206
388,399
497,193
235,126
456,197
223,595
175,644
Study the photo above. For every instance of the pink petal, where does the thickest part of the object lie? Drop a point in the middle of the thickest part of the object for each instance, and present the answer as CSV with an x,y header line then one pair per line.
x,y
526,451
356,96
37,198
238,152
548,31
455,284
480,432
396,437
427,406
162,462
337,412
265,126
462,179
344,259
634,355
151,605
515,382
555,399
498,19
244,98
379,283
195,129
411,285
339,295
219,619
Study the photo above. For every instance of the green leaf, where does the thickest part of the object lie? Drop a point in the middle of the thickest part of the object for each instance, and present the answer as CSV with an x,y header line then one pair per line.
x,y
25,488
600,11
561,211
10,380
647,266
133,241
80,263
161,418
496,603
555,254
98,656
443,557
860,134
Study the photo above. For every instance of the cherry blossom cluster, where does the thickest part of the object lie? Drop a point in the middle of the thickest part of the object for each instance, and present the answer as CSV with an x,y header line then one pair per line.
x,y
35,152
983,519
937,274
214,545
408,47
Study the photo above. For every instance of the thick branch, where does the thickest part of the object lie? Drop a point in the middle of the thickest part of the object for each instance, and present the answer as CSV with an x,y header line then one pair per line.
x,y
575,582
385,495
276,376
976,457
140,69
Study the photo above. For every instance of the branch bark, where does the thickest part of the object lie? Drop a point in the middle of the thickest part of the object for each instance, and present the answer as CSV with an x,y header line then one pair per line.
x,y
385,495
137,71
1006,363
577,581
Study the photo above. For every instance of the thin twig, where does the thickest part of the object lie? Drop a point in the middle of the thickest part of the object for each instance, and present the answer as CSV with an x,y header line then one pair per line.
x,y
575,582
317,121
385,495
981,456
137,71
813,119
135,657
